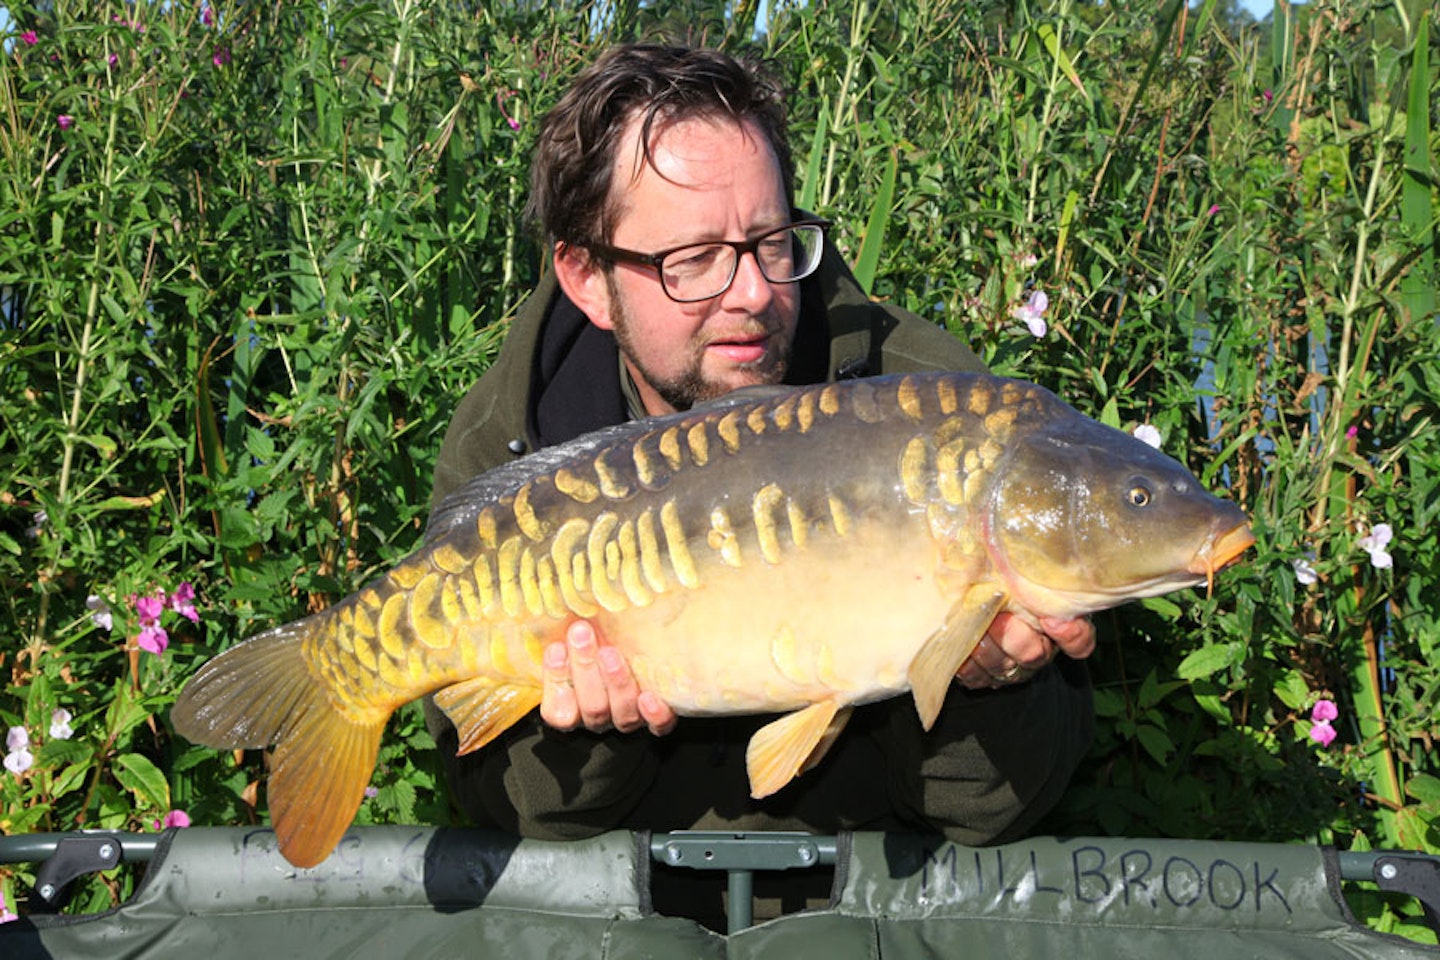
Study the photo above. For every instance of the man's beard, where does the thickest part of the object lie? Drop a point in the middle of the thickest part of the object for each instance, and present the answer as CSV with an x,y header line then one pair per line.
x,y
690,387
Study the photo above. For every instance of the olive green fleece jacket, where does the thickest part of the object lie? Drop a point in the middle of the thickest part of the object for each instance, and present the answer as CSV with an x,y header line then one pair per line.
x,y
991,766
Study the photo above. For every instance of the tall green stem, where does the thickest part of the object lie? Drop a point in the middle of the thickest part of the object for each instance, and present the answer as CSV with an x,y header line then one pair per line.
x,y
77,393
1336,495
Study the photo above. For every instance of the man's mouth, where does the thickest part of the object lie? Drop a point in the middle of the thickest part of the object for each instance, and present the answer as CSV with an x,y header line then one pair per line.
x,y
741,350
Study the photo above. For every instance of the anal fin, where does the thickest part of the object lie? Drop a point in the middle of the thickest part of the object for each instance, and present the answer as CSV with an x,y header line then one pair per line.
x,y
782,750
934,667
482,709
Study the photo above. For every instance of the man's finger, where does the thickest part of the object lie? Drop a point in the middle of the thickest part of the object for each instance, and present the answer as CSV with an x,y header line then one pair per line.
x,y
591,695
987,664
1020,643
656,713
557,698
1076,638
621,689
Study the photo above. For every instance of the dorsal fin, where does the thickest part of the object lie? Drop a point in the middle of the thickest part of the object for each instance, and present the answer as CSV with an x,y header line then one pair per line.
x,y
465,502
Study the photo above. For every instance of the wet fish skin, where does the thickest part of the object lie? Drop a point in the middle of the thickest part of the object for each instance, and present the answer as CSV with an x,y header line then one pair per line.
x,y
801,550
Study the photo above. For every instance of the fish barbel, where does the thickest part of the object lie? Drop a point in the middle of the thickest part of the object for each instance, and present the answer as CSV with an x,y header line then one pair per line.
x,y
792,550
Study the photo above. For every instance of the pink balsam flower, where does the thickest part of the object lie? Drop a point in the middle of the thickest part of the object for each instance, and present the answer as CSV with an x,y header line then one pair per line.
x,y
17,745
1322,733
153,639
1321,730
1304,572
1375,542
100,613
1032,313
182,601
175,818
1148,435
60,728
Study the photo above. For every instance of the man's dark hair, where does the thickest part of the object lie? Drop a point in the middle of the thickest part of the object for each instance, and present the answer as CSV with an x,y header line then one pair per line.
x,y
574,162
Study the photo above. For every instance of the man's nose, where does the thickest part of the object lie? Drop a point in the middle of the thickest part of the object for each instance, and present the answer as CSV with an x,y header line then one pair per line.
x,y
749,290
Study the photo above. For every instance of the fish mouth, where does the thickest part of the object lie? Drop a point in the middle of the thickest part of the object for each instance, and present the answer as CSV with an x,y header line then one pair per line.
x,y
1221,552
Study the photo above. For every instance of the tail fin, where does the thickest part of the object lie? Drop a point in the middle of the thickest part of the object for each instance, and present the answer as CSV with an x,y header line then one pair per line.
x,y
262,692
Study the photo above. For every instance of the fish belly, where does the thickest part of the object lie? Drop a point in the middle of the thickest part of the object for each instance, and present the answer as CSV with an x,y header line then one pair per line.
x,y
835,620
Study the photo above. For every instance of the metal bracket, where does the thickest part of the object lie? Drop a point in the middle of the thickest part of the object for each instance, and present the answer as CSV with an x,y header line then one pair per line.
x,y
714,850
73,857
740,855
1418,877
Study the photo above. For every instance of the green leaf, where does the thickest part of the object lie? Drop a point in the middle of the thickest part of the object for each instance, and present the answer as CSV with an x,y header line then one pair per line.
x,y
1162,606
1110,413
72,777
810,190
1214,705
56,752
141,777
1067,217
869,260
399,799
1416,208
1424,788
1062,60
1156,742
23,820
1109,703
212,451
124,713
113,308
1292,690
1152,691
105,445
1206,661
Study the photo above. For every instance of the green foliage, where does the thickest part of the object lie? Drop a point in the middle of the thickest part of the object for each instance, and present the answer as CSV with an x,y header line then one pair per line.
x,y
241,292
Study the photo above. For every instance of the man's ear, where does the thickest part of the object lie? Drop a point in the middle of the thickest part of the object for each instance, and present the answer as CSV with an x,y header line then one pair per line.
x,y
584,282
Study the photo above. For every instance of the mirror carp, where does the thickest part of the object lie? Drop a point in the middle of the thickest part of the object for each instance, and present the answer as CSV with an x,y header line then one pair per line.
x,y
781,550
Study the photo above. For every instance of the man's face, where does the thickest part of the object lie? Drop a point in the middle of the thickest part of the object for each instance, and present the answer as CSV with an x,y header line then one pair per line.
x,y
711,180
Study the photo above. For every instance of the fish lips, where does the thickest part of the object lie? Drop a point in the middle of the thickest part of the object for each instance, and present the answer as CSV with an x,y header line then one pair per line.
x,y
1222,550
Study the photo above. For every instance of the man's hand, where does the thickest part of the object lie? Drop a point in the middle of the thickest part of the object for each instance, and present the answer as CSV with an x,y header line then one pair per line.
x,y
589,684
1012,651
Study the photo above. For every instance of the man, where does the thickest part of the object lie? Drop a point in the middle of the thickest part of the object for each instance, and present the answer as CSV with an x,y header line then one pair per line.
x,y
663,182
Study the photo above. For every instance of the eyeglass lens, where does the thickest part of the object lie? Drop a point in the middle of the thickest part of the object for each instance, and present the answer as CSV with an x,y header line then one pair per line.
x,y
707,269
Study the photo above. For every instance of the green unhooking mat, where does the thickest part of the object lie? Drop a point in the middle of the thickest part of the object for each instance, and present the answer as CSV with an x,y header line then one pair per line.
x,y
398,892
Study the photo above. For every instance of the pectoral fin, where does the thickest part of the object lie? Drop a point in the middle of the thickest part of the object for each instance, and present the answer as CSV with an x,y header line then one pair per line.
x,y
782,750
938,660
482,710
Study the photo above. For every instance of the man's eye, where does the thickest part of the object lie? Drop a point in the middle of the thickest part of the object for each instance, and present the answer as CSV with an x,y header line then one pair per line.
x,y
692,260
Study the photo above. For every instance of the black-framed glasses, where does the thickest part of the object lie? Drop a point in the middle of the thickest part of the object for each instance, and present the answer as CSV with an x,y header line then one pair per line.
x,y
701,271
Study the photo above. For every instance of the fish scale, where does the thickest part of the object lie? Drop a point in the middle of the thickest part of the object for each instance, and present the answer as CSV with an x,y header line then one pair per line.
x,y
795,551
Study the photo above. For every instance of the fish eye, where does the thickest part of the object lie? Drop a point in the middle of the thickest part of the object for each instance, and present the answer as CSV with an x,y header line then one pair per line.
x,y
1139,496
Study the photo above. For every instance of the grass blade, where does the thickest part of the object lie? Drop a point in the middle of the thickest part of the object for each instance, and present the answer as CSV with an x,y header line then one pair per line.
x,y
869,259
